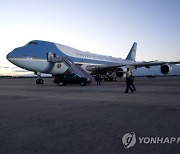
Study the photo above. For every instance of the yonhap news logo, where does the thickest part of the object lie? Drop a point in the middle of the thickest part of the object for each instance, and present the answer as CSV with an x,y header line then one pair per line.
x,y
130,139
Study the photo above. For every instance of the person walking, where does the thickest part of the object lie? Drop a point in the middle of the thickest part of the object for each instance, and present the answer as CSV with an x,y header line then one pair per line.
x,y
128,81
98,79
132,82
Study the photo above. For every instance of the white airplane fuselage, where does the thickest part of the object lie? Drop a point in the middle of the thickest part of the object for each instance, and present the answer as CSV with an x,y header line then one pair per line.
x,y
33,57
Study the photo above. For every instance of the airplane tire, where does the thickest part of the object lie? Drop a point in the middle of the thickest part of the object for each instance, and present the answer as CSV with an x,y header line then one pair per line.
x,y
39,81
62,83
83,83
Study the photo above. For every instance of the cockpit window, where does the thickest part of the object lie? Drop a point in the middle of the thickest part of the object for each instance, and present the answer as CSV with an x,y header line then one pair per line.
x,y
33,42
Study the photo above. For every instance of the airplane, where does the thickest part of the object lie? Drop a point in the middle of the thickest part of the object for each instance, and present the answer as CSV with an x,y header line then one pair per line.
x,y
51,58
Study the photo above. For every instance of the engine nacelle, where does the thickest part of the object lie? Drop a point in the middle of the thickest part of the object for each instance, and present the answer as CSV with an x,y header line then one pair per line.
x,y
119,72
166,68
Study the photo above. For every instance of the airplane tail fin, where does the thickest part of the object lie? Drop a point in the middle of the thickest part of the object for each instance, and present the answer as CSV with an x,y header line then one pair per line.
x,y
132,53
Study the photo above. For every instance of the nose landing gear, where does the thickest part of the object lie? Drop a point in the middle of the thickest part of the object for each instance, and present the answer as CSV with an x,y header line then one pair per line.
x,y
39,79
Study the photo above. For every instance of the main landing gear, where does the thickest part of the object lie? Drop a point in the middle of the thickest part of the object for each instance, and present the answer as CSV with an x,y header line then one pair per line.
x,y
39,79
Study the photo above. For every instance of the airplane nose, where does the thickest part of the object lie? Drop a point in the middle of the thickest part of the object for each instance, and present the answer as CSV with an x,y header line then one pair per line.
x,y
9,56
12,57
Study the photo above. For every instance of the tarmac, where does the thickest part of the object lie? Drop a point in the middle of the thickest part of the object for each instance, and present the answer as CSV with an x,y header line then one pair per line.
x,y
89,119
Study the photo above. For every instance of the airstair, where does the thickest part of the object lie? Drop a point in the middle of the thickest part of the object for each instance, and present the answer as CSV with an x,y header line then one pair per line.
x,y
73,68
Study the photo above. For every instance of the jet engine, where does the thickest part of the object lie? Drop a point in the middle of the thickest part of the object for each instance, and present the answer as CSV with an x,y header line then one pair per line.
x,y
119,72
166,68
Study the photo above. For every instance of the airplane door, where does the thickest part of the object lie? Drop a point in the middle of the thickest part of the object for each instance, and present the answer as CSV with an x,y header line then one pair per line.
x,y
50,56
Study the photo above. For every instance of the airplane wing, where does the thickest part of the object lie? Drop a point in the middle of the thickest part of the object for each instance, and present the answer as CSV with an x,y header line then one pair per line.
x,y
152,63
135,65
